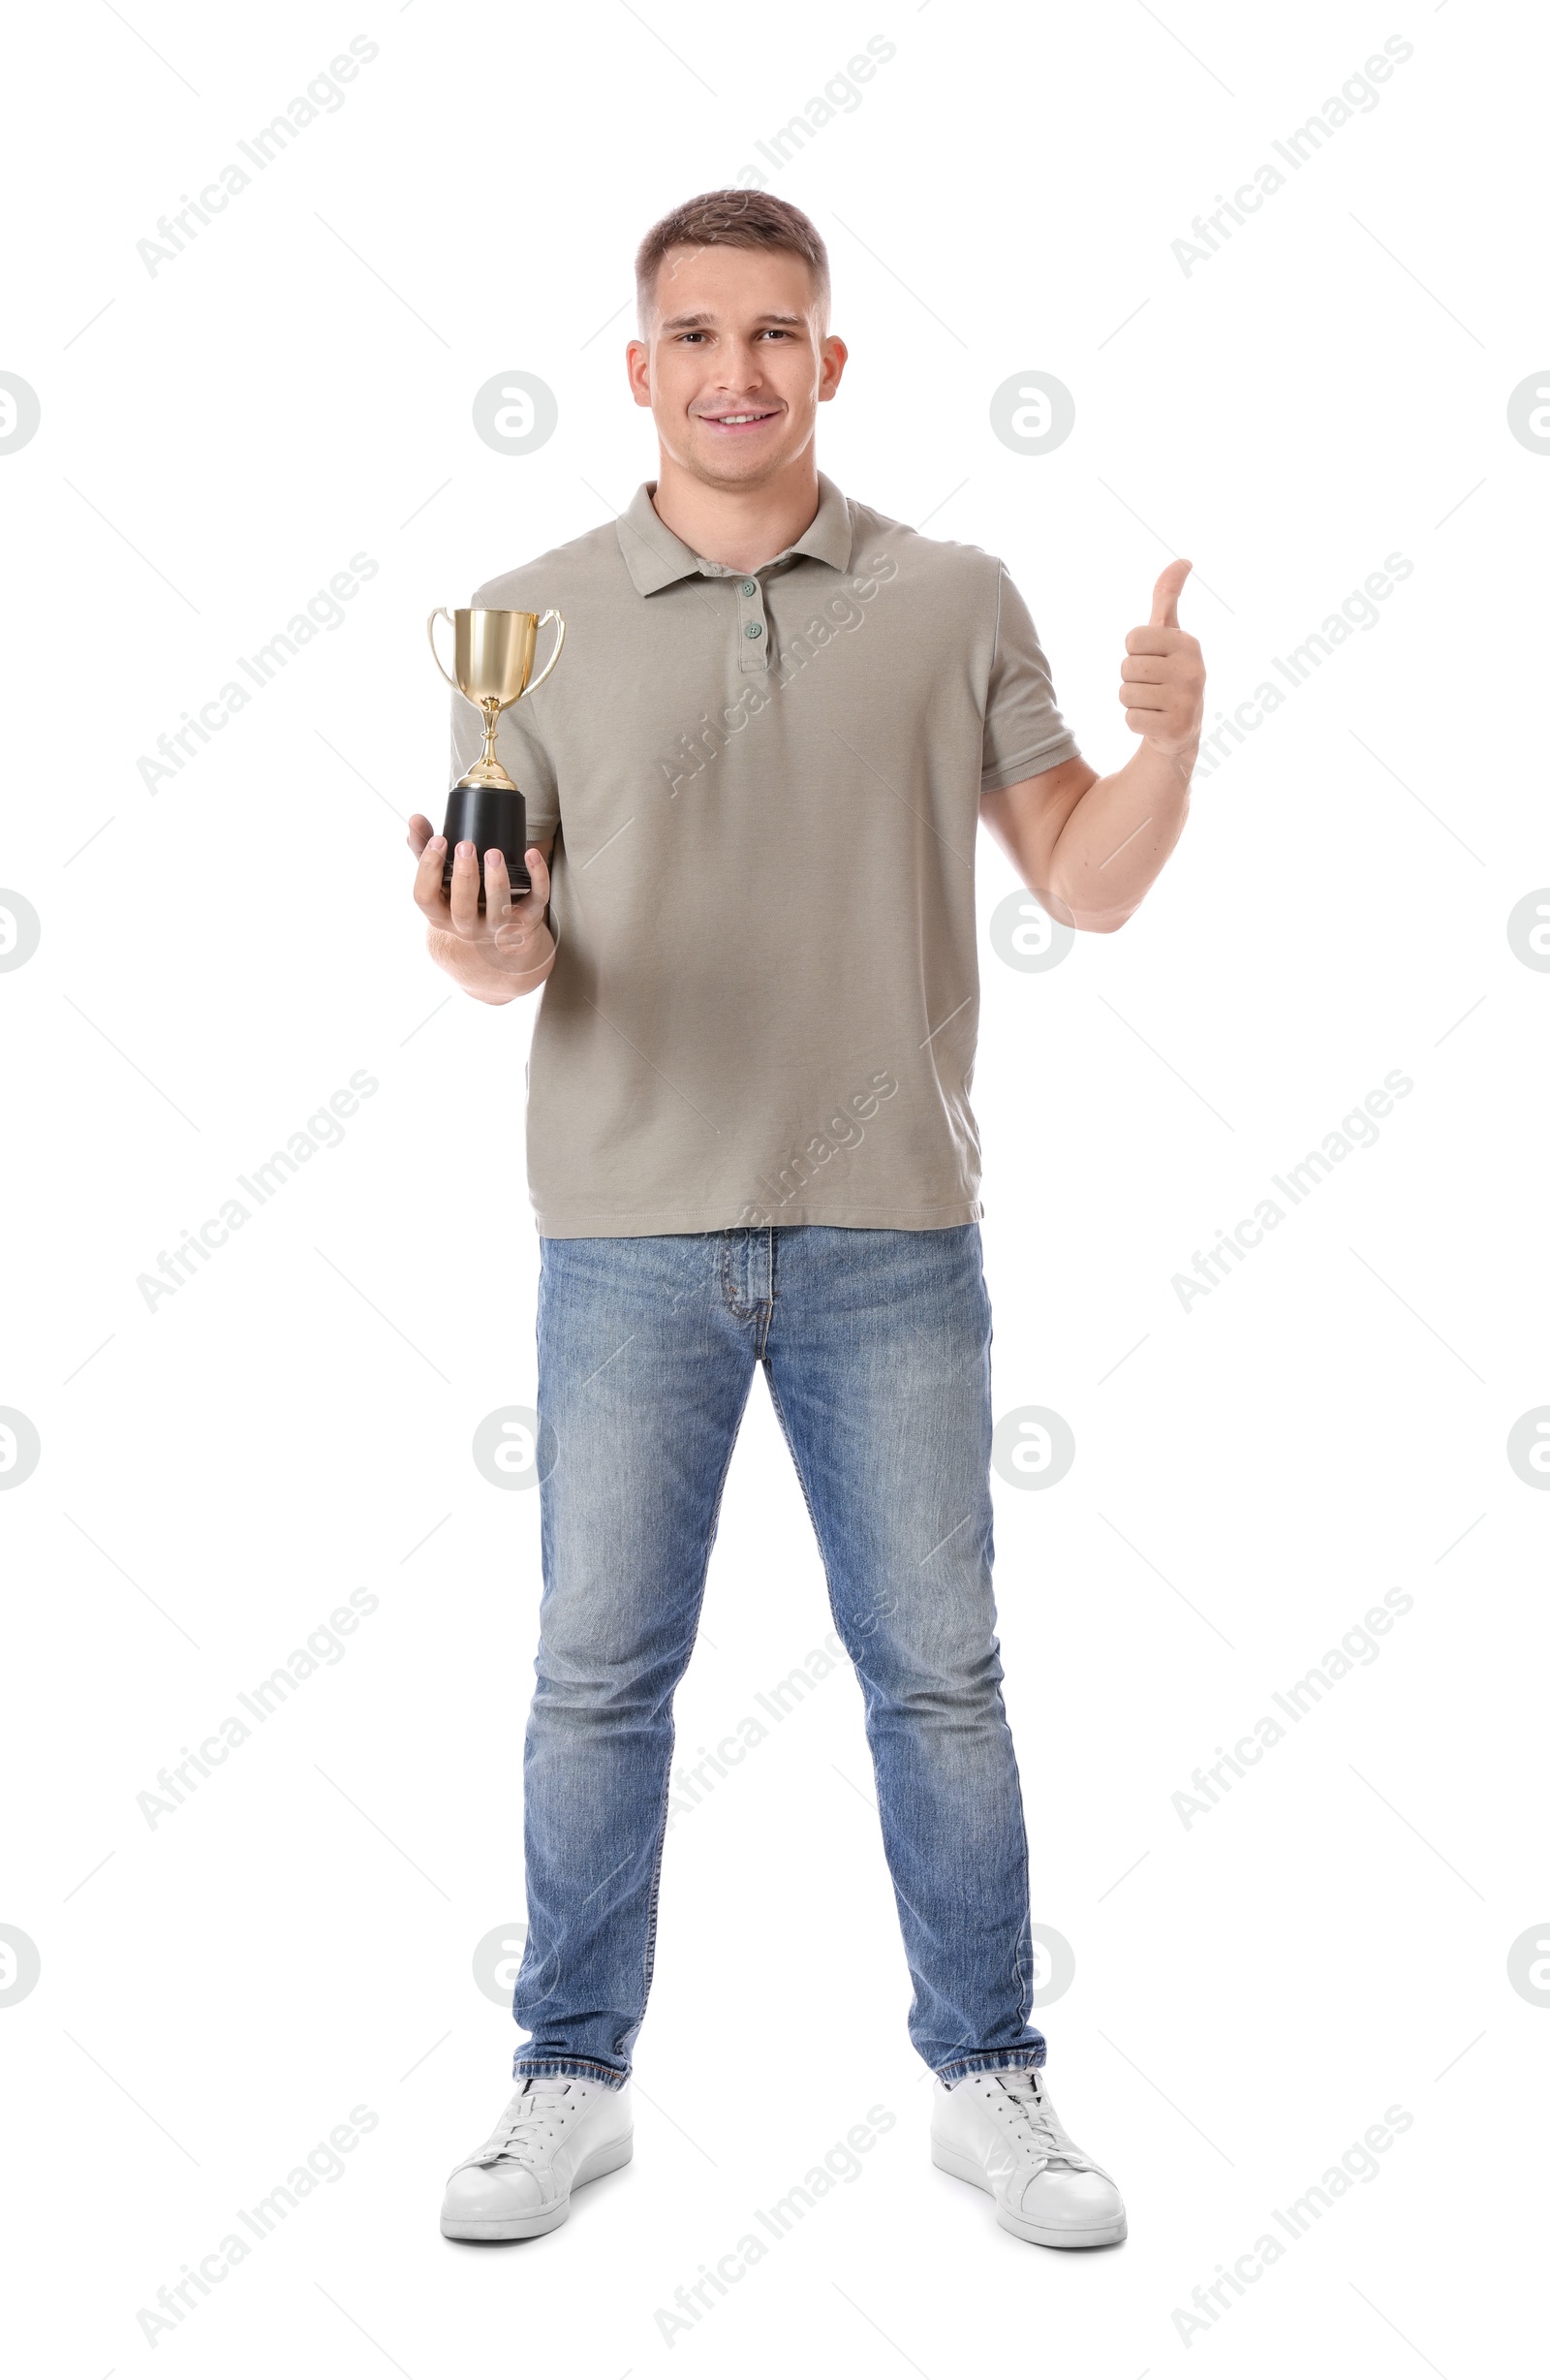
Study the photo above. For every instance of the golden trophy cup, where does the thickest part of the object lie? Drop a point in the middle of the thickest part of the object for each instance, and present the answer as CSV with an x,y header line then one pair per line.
x,y
492,664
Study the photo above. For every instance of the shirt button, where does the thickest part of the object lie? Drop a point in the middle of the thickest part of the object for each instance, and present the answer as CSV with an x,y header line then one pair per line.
x,y
753,629
749,587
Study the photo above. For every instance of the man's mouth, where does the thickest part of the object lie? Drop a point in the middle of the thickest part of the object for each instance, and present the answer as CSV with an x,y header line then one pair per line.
x,y
741,419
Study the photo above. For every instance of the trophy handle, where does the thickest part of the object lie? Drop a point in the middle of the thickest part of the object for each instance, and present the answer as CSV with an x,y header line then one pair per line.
x,y
441,613
544,618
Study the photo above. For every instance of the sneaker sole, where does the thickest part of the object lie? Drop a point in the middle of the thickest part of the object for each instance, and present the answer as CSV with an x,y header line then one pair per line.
x,y
604,2159
968,2169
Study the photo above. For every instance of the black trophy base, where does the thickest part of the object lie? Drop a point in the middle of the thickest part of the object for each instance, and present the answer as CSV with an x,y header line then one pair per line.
x,y
492,818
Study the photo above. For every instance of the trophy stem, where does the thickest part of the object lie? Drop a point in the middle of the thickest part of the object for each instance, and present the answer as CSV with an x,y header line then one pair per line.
x,y
488,764
487,770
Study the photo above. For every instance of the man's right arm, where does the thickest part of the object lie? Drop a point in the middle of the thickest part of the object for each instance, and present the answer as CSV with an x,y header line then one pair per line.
x,y
500,953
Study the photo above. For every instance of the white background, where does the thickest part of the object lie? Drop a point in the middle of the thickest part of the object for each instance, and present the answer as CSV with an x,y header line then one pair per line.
x,y
1250,1992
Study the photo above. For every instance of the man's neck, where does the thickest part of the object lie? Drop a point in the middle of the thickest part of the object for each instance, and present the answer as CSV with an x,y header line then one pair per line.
x,y
740,527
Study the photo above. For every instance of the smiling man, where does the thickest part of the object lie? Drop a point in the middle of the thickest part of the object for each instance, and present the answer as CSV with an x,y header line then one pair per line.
x,y
753,797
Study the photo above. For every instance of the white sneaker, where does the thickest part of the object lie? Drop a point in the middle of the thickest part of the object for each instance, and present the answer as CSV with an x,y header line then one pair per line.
x,y
1001,2132
559,2131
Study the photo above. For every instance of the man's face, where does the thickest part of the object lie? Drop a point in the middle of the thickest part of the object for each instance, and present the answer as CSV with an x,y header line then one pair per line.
x,y
735,362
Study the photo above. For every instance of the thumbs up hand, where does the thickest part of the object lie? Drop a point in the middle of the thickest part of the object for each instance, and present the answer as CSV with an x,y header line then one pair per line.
x,y
1162,673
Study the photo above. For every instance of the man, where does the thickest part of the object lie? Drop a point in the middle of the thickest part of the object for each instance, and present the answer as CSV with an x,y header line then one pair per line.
x,y
753,790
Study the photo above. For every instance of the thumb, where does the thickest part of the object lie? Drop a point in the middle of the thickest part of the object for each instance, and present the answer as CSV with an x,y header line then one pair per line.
x,y
1166,595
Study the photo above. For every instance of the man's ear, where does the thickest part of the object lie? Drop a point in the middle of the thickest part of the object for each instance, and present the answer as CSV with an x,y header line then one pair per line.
x,y
835,356
638,368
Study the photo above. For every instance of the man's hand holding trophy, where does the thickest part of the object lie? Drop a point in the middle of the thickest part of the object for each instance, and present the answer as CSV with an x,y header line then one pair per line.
x,y
485,904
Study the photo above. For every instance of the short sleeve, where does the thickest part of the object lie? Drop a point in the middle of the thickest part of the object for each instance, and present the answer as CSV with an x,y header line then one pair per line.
x,y
1024,731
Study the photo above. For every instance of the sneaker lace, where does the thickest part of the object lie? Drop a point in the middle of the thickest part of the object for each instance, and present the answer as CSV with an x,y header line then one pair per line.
x,y
518,2139
1035,2128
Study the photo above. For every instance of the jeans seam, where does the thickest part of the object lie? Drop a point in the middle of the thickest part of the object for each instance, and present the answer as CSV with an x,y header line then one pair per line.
x,y
991,2063
818,1534
761,1311
666,1791
567,2064
1025,1985
766,1304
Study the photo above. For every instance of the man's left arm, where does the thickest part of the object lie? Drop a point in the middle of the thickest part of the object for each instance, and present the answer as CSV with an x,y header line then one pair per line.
x,y
1092,847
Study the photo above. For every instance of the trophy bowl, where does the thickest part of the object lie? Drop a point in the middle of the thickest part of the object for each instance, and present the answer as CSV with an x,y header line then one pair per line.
x,y
492,668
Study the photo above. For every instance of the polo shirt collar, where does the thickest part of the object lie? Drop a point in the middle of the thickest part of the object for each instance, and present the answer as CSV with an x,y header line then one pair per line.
x,y
655,558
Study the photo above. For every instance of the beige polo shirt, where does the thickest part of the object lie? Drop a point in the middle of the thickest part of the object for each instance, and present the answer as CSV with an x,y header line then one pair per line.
x,y
764,786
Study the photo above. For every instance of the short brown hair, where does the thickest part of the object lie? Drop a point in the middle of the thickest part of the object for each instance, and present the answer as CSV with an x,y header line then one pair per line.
x,y
731,219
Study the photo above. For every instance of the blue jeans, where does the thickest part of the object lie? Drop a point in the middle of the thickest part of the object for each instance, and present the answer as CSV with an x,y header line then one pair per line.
x,y
875,1345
